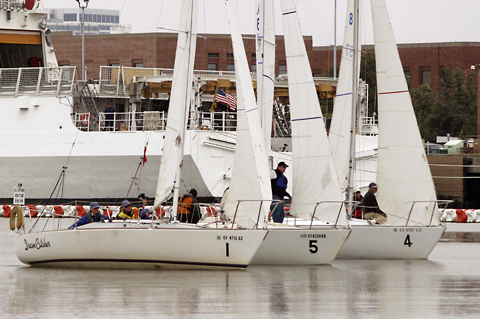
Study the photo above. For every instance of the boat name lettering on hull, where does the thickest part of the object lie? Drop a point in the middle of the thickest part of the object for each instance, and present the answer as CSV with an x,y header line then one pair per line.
x,y
238,238
39,243
313,236
407,230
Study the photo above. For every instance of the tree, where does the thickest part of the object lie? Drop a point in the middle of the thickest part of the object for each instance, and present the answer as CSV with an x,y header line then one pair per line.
x,y
453,109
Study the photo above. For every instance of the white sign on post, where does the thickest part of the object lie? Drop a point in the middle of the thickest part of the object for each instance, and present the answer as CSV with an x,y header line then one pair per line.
x,y
19,195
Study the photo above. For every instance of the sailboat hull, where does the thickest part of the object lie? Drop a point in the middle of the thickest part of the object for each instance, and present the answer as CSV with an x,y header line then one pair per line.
x,y
297,246
391,242
123,245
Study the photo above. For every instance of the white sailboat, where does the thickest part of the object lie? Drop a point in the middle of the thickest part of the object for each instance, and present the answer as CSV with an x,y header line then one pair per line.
x,y
316,193
406,190
121,244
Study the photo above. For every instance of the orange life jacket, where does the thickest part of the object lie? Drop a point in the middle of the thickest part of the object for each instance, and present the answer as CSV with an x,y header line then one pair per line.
x,y
185,204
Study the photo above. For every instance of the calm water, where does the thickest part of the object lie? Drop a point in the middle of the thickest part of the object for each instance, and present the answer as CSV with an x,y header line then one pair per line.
x,y
447,285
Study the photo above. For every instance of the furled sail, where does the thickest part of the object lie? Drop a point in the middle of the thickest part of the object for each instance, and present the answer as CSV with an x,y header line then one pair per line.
x,y
403,174
314,176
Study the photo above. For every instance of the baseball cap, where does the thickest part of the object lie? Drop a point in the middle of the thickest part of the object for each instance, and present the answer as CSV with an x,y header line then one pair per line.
x,y
373,184
126,203
94,205
282,164
142,195
357,190
146,210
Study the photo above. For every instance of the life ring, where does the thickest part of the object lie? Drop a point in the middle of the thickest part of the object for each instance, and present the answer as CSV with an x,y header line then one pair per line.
x,y
205,127
85,118
18,214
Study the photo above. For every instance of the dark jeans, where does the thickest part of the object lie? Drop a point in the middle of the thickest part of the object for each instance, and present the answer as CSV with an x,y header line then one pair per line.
x,y
278,210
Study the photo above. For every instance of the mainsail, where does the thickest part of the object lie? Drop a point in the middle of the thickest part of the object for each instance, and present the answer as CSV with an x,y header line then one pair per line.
x,y
403,174
340,128
172,155
314,176
250,175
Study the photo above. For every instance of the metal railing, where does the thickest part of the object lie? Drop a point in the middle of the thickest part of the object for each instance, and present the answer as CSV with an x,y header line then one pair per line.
x,y
122,121
58,81
153,121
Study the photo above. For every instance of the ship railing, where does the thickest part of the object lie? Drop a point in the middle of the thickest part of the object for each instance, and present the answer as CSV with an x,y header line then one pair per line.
x,y
217,121
369,125
57,81
123,121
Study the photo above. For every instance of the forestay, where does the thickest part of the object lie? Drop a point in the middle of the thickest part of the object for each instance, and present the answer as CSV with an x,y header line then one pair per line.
x,y
314,176
340,128
172,155
250,175
403,174
265,65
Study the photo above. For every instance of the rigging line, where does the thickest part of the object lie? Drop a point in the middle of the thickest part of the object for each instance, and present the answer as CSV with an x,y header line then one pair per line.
x,y
160,13
123,7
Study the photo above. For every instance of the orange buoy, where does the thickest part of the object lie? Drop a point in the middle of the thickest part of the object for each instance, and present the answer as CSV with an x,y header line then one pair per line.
x,y
29,4
461,216
7,210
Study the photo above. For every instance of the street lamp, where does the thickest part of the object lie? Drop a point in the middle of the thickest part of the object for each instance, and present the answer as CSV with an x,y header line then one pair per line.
x,y
82,4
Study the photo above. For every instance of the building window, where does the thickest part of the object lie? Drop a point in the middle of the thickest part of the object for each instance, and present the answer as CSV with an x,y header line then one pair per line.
x,y
254,68
114,64
213,55
52,15
427,77
138,65
254,56
212,67
229,55
407,77
70,17
282,69
231,67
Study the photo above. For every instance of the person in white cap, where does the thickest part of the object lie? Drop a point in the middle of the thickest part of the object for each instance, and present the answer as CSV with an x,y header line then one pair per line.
x,y
93,216
370,205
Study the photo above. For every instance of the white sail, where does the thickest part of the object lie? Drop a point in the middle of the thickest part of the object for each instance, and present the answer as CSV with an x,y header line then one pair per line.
x,y
265,35
250,175
172,155
403,174
314,176
340,128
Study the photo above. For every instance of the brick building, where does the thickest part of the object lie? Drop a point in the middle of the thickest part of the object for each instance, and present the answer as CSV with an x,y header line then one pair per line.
x,y
422,62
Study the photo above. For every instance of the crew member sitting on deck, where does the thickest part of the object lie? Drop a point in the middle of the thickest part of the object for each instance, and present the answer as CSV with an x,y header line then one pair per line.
x,y
188,208
357,210
93,216
127,211
370,205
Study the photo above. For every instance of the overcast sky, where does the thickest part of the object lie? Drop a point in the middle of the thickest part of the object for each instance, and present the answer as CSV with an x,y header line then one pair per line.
x,y
413,21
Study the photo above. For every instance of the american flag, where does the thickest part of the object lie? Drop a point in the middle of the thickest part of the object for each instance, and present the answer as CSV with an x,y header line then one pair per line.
x,y
225,98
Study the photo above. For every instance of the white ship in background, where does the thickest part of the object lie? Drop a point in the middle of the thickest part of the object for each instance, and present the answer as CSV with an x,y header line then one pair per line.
x,y
57,142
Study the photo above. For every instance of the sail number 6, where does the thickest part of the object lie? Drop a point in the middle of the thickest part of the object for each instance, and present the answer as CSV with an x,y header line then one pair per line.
x,y
312,246
407,241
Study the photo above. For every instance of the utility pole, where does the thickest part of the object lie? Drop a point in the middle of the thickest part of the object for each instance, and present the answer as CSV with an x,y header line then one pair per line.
x,y
83,4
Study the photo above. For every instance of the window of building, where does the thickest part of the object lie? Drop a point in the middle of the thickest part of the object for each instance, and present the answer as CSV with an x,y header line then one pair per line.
x,y
254,56
426,77
230,67
212,67
138,64
104,19
213,55
407,76
52,15
229,55
254,68
70,17
282,69
108,19
117,19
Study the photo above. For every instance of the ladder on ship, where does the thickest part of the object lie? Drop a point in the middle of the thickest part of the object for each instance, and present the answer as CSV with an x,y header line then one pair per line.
x,y
86,97
282,126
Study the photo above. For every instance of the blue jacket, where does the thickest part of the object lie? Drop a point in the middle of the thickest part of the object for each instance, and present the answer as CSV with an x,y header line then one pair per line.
x,y
85,220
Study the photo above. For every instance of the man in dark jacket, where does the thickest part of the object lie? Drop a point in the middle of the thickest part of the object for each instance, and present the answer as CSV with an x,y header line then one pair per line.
x,y
93,216
370,204
279,190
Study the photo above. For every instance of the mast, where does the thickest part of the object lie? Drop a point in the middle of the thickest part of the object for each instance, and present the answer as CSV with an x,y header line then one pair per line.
x,y
355,81
174,143
265,54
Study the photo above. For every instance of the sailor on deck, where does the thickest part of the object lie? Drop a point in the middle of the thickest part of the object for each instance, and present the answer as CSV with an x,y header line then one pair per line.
x,y
93,216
